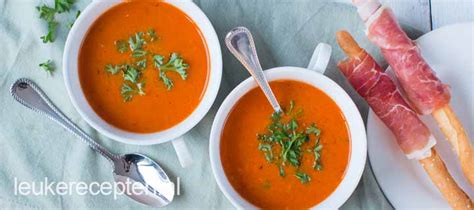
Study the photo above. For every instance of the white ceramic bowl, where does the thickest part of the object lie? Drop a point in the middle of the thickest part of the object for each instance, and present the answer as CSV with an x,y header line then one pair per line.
x,y
358,141
73,86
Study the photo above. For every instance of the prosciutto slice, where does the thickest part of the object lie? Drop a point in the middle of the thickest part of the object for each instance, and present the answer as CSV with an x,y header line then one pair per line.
x,y
382,95
423,89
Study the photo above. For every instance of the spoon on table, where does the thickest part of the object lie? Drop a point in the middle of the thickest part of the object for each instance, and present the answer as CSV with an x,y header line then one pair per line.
x,y
136,175
240,43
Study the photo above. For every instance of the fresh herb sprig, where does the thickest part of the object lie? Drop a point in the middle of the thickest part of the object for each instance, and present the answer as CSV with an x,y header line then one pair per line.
x,y
133,83
303,177
48,14
283,144
61,6
152,34
312,129
132,71
174,64
48,66
51,35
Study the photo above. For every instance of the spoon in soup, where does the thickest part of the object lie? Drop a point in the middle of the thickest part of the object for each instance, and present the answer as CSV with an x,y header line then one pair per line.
x,y
136,175
240,43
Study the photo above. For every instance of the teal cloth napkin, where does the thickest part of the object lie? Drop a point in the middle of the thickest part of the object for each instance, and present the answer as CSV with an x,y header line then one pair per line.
x,y
33,148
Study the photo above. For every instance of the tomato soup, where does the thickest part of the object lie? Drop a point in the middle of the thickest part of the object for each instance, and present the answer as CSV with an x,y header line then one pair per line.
x,y
255,178
158,107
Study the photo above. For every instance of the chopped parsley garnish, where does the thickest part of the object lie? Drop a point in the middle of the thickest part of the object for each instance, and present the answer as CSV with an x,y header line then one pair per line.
x,y
304,178
131,74
121,45
63,5
136,41
139,53
132,71
48,14
141,64
133,83
51,35
48,66
286,141
152,34
127,92
317,155
112,69
174,64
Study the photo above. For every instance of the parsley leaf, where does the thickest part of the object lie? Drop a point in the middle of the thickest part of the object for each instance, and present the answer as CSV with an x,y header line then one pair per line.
x,y
317,156
131,74
46,13
174,64
304,178
312,129
121,46
158,60
267,149
51,35
63,5
127,92
152,34
167,81
136,41
48,66
112,69
138,53
141,64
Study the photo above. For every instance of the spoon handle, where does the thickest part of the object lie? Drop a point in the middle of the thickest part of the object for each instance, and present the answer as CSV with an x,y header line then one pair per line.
x,y
30,95
240,43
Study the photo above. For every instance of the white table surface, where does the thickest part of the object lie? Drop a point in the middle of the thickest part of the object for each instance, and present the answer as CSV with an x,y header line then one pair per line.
x,y
426,15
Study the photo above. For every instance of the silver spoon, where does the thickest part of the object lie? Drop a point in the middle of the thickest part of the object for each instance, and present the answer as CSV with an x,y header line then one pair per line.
x,y
136,175
240,43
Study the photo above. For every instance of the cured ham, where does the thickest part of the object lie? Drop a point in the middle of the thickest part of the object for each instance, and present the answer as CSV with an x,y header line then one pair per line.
x,y
413,136
424,90
369,80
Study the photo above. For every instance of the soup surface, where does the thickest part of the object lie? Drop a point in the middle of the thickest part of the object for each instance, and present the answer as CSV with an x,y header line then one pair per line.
x,y
258,180
159,108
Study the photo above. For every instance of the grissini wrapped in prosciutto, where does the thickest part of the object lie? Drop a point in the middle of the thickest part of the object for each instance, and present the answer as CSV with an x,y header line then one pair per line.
x,y
413,137
423,89
372,83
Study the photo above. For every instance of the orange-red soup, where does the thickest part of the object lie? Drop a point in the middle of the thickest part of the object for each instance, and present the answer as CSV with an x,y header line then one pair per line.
x,y
159,109
258,181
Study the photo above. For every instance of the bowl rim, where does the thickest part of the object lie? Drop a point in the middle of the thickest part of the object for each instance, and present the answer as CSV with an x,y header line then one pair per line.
x,y
70,73
357,154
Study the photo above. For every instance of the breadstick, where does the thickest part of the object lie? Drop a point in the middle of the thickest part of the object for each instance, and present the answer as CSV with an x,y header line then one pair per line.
x,y
440,176
457,137
432,164
425,91
348,44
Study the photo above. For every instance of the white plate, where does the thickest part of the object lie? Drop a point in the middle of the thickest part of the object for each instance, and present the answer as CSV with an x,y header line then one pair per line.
x,y
449,51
